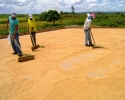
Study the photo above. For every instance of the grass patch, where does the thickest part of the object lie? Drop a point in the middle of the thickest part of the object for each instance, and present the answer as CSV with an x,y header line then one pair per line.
x,y
106,20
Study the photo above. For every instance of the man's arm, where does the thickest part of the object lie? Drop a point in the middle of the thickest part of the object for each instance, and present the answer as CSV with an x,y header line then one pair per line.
x,y
28,27
16,30
32,26
28,24
7,22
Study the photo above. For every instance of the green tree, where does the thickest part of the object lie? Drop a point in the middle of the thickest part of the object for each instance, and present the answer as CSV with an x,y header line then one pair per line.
x,y
73,9
121,15
43,16
61,12
50,16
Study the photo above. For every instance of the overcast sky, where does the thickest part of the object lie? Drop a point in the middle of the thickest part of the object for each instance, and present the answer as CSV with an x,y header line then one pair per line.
x,y
38,6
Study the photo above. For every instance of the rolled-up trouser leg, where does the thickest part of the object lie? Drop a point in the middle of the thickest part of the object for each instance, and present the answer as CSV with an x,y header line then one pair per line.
x,y
31,36
18,49
34,38
85,31
13,44
89,38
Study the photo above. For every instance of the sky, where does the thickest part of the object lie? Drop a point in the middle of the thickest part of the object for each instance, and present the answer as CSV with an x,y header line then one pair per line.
x,y
39,6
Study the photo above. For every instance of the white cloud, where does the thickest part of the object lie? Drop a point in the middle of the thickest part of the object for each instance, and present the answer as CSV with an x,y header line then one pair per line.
x,y
2,5
90,1
71,1
38,6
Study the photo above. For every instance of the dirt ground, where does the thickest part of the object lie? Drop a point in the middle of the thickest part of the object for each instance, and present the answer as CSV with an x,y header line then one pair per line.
x,y
64,69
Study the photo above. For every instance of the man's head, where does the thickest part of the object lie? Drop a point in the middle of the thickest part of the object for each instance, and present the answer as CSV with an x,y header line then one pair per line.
x,y
93,15
30,16
13,15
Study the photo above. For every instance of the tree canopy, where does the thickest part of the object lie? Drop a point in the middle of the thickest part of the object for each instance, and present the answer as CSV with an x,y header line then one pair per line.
x,y
73,9
50,16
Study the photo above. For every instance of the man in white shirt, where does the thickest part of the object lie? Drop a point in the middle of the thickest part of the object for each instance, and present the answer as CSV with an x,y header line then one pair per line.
x,y
90,17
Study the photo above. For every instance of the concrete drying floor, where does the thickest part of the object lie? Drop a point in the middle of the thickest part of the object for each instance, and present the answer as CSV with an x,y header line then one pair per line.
x,y
64,69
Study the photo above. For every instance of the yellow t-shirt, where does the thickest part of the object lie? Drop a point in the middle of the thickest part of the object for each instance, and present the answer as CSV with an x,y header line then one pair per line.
x,y
31,23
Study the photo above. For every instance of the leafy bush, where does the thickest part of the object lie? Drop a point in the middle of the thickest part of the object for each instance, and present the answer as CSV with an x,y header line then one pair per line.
x,y
2,22
113,25
79,23
104,24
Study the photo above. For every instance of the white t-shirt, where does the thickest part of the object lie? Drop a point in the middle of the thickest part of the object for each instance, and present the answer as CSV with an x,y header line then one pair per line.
x,y
87,22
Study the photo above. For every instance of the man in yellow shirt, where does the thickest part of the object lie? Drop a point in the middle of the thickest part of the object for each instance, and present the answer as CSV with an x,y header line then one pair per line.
x,y
32,29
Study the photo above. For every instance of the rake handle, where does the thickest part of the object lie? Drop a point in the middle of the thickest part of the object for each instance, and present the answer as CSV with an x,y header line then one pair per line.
x,y
92,37
32,37
15,42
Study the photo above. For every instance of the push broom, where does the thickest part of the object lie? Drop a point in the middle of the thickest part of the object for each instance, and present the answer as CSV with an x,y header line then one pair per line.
x,y
36,46
24,57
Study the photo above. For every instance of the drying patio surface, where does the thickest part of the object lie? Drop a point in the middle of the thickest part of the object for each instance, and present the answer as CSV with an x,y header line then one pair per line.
x,y
64,69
